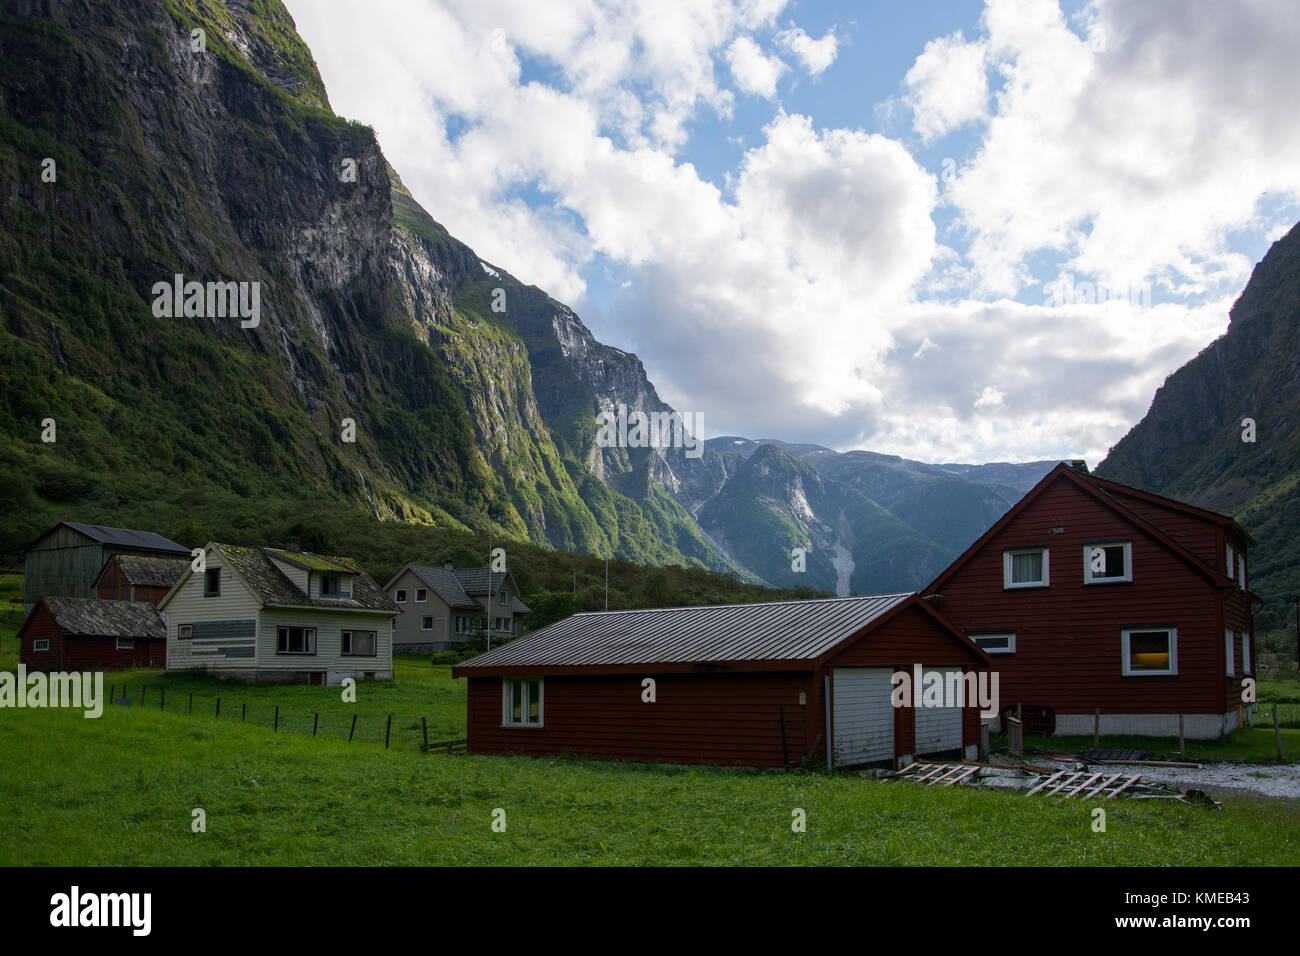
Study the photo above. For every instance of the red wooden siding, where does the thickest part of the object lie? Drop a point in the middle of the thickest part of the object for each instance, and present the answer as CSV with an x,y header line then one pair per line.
x,y
1068,642
114,586
81,653
696,718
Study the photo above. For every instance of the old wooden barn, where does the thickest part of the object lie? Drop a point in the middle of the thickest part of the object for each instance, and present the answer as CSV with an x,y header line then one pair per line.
x,y
751,684
66,560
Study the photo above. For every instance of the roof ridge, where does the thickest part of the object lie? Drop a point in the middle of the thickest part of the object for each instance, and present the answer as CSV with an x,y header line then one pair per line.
x,y
701,607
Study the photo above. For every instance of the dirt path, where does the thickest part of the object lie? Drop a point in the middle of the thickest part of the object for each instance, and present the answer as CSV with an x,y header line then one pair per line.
x,y
1266,780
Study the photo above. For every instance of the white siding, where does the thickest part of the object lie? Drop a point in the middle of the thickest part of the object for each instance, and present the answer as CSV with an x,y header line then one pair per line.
x,y
330,626
188,605
937,728
291,571
863,716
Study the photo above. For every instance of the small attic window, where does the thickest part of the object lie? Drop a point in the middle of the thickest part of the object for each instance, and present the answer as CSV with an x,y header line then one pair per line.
x,y
212,582
330,585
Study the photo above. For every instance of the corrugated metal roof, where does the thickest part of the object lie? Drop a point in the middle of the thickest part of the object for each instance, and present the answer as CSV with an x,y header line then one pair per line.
x,y
93,617
782,630
126,538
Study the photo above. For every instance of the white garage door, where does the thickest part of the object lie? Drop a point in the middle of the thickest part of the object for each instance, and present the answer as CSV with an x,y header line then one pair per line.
x,y
863,717
938,728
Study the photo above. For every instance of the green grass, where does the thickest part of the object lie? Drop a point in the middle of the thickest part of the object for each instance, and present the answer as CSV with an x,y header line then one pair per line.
x,y
420,690
120,790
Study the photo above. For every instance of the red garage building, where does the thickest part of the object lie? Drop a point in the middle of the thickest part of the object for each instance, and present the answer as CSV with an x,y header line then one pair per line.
x,y
754,684
63,634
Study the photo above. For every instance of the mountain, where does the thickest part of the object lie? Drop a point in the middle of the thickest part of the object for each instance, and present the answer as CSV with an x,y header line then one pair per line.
x,y
381,369
1195,441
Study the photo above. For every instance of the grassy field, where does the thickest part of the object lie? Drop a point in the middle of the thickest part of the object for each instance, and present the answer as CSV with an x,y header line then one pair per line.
x,y
121,790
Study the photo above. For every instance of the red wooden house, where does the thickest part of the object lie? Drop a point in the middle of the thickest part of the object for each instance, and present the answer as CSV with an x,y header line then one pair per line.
x,y
754,684
1089,595
139,577
64,634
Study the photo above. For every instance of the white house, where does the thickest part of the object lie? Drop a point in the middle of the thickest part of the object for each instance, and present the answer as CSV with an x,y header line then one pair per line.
x,y
266,615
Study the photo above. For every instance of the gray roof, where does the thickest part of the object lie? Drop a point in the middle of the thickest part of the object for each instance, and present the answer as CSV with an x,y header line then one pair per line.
x,y
93,617
151,571
776,631
126,538
457,588
275,589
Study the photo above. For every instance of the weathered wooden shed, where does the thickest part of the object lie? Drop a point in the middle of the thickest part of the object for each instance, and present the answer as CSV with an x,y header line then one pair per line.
x,y
64,633
139,577
749,684
66,560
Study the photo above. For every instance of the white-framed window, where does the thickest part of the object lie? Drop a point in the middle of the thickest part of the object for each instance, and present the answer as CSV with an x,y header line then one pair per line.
x,y
360,643
184,632
421,595
1232,564
331,585
126,643
295,640
521,701
1107,562
41,644
464,624
399,596
1025,568
1245,653
1241,569
1149,651
1001,643
505,599
426,624
1230,652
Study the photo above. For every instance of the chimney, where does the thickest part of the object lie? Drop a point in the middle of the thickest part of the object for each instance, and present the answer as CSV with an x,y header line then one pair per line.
x,y
1079,465
449,565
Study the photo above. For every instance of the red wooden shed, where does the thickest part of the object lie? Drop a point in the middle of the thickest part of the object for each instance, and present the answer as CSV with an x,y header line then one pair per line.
x,y
62,634
753,684
139,577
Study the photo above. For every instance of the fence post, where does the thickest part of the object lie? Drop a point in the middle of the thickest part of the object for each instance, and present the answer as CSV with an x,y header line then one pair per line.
x,y
191,710
143,690
1096,729
111,688
1277,734
354,728
162,704
243,711
276,726
218,708
314,724
424,723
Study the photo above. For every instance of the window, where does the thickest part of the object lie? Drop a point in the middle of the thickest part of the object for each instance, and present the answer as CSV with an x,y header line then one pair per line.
x,y
1245,653
421,595
426,624
295,640
1231,563
1241,570
464,624
400,595
360,644
329,586
126,643
505,599
995,643
1149,651
212,582
185,632
1024,568
1230,652
521,699
502,624
41,644
1107,562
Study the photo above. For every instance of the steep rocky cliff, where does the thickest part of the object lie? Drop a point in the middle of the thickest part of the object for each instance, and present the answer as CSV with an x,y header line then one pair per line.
x,y
1195,441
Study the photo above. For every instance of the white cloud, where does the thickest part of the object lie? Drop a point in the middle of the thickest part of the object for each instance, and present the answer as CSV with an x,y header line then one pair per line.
x,y
815,55
754,71
990,397
947,86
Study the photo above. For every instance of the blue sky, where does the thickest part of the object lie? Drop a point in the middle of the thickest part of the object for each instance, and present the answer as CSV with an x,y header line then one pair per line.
x,y
951,231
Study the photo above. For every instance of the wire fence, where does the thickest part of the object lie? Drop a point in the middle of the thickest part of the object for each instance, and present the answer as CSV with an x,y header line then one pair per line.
x,y
393,731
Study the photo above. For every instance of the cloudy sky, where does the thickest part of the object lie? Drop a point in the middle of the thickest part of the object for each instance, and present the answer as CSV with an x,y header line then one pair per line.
x,y
953,231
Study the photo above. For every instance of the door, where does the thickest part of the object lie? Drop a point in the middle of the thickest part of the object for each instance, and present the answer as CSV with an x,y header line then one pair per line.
x,y
938,728
862,715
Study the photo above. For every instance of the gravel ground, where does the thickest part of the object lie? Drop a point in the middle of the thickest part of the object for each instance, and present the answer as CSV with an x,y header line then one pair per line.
x,y
1267,780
